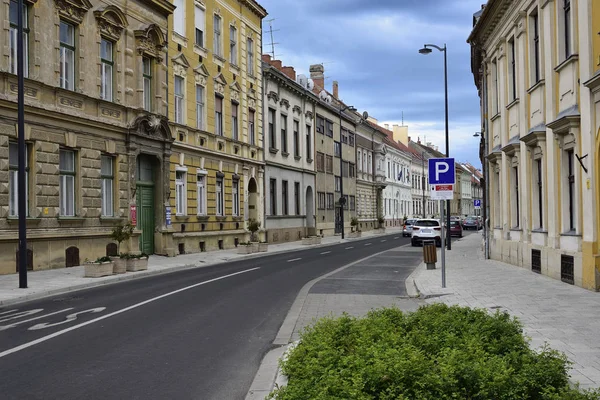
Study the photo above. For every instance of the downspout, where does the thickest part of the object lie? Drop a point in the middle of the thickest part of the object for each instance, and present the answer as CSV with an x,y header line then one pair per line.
x,y
484,138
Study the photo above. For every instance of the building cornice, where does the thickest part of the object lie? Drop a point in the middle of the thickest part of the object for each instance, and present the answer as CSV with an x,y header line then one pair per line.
x,y
164,6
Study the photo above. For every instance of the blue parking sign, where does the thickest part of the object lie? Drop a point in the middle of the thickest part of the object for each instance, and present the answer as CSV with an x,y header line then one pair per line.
x,y
477,204
441,171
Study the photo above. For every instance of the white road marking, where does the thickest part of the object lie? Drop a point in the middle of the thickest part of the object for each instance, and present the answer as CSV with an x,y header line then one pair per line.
x,y
70,318
20,314
5,327
384,240
348,248
396,237
294,259
8,312
326,252
368,244
72,328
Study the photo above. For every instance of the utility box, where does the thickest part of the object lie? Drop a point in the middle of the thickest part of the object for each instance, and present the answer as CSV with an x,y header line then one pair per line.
x,y
429,253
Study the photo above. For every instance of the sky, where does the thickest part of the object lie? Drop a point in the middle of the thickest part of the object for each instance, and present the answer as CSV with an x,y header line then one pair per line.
x,y
371,48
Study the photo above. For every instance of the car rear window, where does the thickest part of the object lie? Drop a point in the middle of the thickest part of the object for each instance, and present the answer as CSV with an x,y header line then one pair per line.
x,y
410,222
470,219
427,223
454,223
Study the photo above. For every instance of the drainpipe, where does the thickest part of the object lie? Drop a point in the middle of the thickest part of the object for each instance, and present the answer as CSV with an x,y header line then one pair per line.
x,y
484,139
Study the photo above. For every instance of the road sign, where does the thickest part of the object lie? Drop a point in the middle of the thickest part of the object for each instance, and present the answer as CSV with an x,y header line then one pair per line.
x,y
477,204
442,192
441,171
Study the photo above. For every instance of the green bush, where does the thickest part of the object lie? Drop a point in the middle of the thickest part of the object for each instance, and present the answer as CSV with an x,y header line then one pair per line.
x,y
438,352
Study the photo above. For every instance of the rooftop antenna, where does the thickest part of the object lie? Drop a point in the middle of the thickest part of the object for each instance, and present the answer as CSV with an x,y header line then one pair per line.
x,y
273,43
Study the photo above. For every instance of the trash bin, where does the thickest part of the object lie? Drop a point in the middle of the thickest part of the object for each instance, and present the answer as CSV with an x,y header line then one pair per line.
x,y
429,253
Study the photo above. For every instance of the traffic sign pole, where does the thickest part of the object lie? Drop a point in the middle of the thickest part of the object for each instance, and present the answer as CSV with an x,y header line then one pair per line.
x,y
443,248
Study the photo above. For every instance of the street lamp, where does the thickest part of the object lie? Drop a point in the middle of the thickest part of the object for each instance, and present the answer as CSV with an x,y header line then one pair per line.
x,y
426,50
342,201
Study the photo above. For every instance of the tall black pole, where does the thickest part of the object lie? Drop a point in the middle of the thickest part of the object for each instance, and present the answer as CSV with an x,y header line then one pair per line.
x,y
423,181
341,201
447,142
22,205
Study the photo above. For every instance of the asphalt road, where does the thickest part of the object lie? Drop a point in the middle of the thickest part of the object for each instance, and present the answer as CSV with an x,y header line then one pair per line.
x,y
193,334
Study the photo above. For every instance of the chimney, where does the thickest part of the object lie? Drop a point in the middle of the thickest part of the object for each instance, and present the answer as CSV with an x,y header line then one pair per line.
x,y
289,72
335,89
409,138
266,58
317,72
386,126
276,64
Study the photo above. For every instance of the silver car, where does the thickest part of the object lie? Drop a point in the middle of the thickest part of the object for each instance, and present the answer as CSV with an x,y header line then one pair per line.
x,y
407,229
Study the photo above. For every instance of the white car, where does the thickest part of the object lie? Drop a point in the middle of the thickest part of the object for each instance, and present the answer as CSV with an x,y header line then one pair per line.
x,y
426,229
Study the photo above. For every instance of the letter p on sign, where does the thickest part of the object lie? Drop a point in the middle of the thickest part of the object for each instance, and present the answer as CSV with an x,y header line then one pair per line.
x,y
440,168
441,171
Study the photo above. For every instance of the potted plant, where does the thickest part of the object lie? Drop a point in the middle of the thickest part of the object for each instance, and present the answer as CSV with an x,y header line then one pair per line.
x,y
354,231
253,227
263,247
103,266
245,248
381,221
120,234
137,262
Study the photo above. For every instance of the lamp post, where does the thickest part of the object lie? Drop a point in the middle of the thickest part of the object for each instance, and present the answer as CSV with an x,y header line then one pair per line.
x,y
342,201
22,153
426,50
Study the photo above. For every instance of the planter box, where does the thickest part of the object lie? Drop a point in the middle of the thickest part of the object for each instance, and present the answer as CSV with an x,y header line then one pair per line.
x,y
263,247
95,270
137,264
354,234
311,240
243,249
119,265
379,230
255,246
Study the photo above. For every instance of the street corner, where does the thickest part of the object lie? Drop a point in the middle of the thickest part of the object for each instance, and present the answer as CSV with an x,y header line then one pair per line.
x,y
269,376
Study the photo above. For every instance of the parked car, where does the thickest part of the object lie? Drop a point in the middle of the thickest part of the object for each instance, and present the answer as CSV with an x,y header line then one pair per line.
x,y
426,229
456,229
407,228
471,223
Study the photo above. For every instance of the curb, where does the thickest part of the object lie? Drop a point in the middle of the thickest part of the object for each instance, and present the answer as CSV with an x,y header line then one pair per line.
x,y
176,268
268,374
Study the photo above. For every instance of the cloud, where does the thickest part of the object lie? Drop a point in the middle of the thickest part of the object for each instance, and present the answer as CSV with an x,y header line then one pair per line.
x,y
371,49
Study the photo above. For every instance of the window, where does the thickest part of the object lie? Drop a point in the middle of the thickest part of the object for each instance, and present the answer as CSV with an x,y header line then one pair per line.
x,y
218,115
284,145
352,203
320,162
272,138
350,139
217,36
358,163
179,17
337,149
345,169
329,128
180,193
344,136
14,21
321,200
273,195
200,25
234,121
201,192
284,197
67,183
567,27
233,45
346,202
106,70
540,195
179,100
496,92
67,56
536,47
107,176
320,124
220,196
308,143
329,164
13,184
235,193
199,107
351,170
571,189
516,179
338,184
250,46
296,139
370,164
297,197
251,133
330,201
147,76
513,69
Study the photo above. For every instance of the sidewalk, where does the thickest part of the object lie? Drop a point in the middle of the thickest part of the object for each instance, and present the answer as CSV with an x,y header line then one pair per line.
x,y
566,317
63,280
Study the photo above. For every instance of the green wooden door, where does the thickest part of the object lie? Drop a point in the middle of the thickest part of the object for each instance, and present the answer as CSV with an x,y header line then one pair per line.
x,y
145,200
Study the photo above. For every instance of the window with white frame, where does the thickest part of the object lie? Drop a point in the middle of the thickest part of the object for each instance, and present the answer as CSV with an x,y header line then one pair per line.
x,y
250,48
106,70
217,39
308,143
67,183
273,195
67,55
199,107
200,25
284,141
220,196
179,99
370,164
495,88
272,134
218,115
201,193
107,176
180,193
14,20
13,179
235,197
179,17
358,162
147,77
233,49
234,120
296,139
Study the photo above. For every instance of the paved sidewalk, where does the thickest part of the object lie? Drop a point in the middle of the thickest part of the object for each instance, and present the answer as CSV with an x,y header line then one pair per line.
x,y
57,281
566,317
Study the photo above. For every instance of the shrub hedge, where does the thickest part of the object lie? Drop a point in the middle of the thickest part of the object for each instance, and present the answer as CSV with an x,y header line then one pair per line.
x,y
437,352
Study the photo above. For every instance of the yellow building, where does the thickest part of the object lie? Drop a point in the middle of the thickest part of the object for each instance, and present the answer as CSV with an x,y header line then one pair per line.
x,y
215,113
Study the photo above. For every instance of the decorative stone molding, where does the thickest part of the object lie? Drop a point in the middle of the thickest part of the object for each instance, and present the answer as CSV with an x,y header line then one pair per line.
x,y
251,103
285,103
201,75
520,23
180,65
73,10
220,84
235,90
150,41
296,109
500,50
309,115
152,125
273,96
111,21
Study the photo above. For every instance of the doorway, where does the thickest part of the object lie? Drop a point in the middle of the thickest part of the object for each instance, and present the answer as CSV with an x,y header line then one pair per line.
x,y
145,202
310,211
338,220
252,199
